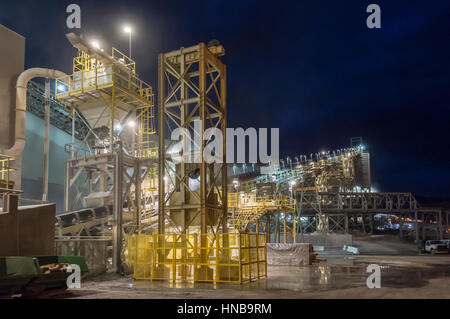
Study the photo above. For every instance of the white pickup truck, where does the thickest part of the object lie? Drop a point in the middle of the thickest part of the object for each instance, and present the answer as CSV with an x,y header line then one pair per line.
x,y
436,247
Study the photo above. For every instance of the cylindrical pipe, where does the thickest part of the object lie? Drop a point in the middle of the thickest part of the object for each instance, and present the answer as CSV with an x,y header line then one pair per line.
x,y
46,141
21,105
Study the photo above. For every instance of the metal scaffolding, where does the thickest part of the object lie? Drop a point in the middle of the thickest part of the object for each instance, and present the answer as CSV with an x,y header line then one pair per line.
x,y
344,209
332,193
247,209
193,242
192,95
105,93
261,194
114,180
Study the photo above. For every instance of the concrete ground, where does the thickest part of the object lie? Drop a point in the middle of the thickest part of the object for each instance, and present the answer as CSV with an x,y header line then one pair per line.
x,y
384,245
404,274
401,277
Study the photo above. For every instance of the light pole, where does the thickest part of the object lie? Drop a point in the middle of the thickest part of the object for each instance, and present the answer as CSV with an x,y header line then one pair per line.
x,y
127,29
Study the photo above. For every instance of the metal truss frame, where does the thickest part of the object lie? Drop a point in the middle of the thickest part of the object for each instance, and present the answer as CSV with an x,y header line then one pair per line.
x,y
336,223
119,175
192,87
357,202
336,209
248,209
105,91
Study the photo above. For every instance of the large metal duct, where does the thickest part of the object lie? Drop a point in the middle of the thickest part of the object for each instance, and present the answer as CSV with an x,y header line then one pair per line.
x,y
21,106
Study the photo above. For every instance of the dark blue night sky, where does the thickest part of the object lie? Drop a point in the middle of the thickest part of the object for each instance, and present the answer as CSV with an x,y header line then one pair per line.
x,y
311,68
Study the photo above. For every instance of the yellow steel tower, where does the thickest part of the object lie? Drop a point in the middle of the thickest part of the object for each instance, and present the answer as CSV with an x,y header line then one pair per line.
x,y
193,242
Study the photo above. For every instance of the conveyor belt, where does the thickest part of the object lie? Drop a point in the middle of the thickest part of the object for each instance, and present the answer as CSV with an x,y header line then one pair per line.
x,y
94,221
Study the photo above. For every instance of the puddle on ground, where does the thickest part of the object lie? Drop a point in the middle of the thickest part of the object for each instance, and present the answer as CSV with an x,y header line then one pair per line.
x,y
320,278
349,274
315,278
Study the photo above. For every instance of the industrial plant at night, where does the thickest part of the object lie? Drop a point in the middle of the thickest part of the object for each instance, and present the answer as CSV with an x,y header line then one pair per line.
x,y
122,175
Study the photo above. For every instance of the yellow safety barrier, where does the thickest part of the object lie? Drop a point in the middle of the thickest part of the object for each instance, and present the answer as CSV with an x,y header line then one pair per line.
x,y
5,169
228,258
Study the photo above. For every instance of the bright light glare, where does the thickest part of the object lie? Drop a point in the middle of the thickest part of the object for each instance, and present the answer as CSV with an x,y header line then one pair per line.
x,y
95,44
118,127
61,87
131,123
127,29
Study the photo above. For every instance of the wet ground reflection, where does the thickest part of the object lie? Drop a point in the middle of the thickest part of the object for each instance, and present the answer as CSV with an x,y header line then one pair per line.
x,y
320,277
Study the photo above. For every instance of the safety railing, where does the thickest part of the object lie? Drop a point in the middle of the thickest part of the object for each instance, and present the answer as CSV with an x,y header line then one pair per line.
x,y
150,183
145,152
248,208
228,258
251,201
5,169
86,81
124,59
146,116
